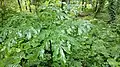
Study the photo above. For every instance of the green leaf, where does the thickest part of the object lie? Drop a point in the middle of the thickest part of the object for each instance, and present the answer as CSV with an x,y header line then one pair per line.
x,y
112,62
29,35
2,63
62,57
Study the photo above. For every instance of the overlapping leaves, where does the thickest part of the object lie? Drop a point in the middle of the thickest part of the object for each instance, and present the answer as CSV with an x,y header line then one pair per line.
x,y
29,40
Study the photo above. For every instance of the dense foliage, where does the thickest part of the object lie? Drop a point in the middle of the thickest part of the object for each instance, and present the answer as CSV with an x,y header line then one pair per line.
x,y
44,34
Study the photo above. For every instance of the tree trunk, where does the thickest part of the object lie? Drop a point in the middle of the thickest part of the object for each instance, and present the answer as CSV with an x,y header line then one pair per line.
x,y
99,6
0,3
26,5
30,6
96,5
118,7
83,5
19,5
63,3
3,7
68,5
112,10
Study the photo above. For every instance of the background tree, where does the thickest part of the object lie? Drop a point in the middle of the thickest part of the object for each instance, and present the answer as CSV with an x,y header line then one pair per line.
x,y
83,1
112,10
63,3
118,7
26,5
3,9
19,5
44,36
99,6
30,6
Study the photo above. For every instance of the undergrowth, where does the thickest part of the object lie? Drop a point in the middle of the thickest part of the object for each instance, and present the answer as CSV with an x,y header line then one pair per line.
x,y
51,38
